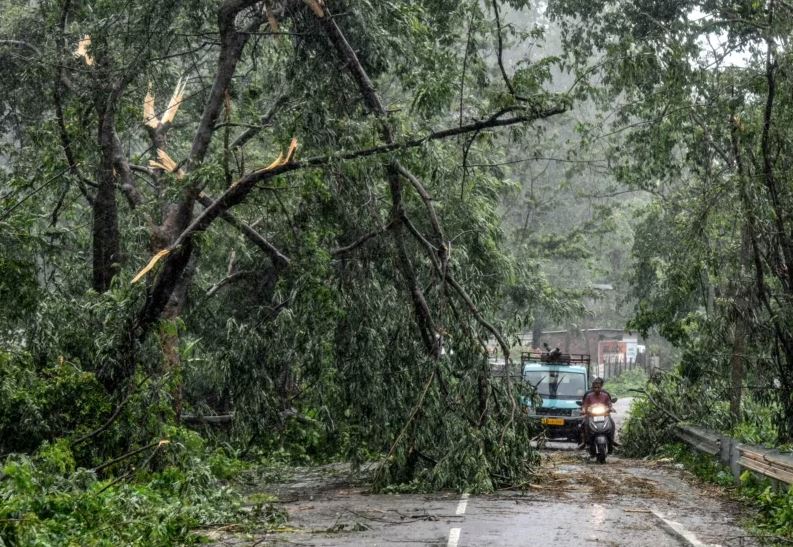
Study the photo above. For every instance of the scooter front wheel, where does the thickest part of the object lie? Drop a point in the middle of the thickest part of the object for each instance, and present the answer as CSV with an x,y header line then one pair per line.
x,y
602,448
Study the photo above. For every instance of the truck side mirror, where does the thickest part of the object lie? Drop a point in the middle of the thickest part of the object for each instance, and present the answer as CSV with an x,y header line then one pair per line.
x,y
579,403
613,399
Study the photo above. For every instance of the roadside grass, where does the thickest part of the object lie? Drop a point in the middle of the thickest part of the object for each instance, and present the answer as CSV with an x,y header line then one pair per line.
x,y
773,523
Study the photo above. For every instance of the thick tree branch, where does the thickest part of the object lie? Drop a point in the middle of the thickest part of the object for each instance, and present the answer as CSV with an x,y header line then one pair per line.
x,y
443,246
242,187
501,50
231,278
431,249
375,106
780,214
424,319
360,241
426,198
105,228
255,237
232,44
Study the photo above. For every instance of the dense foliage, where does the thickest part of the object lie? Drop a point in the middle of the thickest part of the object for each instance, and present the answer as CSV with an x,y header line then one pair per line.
x,y
703,123
47,500
289,242
344,206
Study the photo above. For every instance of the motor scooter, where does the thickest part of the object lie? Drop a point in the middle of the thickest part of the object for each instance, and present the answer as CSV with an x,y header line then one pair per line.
x,y
600,440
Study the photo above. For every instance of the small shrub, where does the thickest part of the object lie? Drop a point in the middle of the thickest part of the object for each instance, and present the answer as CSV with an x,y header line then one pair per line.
x,y
776,506
44,403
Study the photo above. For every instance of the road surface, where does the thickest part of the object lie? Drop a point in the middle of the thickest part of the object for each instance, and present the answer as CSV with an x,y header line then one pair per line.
x,y
576,502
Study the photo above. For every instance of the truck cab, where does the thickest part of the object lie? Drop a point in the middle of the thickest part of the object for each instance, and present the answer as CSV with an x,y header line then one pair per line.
x,y
559,380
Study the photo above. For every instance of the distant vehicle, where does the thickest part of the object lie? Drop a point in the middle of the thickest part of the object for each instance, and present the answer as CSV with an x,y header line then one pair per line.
x,y
560,380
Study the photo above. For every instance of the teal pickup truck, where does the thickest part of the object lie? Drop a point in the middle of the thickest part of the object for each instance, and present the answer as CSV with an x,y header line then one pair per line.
x,y
559,380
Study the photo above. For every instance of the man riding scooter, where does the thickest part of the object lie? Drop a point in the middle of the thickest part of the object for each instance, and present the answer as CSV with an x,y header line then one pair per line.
x,y
596,396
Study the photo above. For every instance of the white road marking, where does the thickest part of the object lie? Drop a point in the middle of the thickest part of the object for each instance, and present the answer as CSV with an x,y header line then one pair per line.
x,y
454,533
454,537
677,530
462,505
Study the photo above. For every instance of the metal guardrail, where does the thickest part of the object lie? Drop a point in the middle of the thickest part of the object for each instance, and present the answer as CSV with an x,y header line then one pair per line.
x,y
699,438
769,463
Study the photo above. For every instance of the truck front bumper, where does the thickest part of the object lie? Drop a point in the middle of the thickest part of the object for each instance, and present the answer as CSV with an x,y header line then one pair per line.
x,y
559,427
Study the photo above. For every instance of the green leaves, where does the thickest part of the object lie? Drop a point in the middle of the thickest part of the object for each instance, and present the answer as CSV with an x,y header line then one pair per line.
x,y
46,501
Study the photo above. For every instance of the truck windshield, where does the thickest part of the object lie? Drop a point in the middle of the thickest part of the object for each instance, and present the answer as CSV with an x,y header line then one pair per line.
x,y
556,384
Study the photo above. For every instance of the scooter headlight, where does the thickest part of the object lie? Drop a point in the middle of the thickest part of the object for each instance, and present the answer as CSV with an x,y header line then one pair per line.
x,y
599,410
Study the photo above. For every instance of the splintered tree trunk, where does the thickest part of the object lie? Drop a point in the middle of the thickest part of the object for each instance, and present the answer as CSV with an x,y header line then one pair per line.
x,y
105,212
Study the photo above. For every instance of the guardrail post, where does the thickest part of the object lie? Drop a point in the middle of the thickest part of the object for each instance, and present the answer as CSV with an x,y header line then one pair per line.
x,y
735,453
729,454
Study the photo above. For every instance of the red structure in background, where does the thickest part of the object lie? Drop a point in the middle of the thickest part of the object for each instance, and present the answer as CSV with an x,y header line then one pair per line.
x,y
612,351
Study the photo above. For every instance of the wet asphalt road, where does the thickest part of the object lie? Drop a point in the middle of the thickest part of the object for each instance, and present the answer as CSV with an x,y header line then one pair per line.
x,y
575,502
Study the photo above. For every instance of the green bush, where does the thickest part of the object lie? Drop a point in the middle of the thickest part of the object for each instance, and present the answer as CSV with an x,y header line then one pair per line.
x,y
758,423
46,501
669,398
44,403
776,506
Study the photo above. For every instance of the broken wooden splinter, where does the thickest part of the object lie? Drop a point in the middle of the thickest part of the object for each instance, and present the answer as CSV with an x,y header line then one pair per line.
x,y
153,262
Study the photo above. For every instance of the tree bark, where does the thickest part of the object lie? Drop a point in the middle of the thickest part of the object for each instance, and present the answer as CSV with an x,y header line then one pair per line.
x,y
105,209
742,328
737,368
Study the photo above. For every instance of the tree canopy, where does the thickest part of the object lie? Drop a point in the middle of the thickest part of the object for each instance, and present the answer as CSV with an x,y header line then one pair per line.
x,y
311,221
